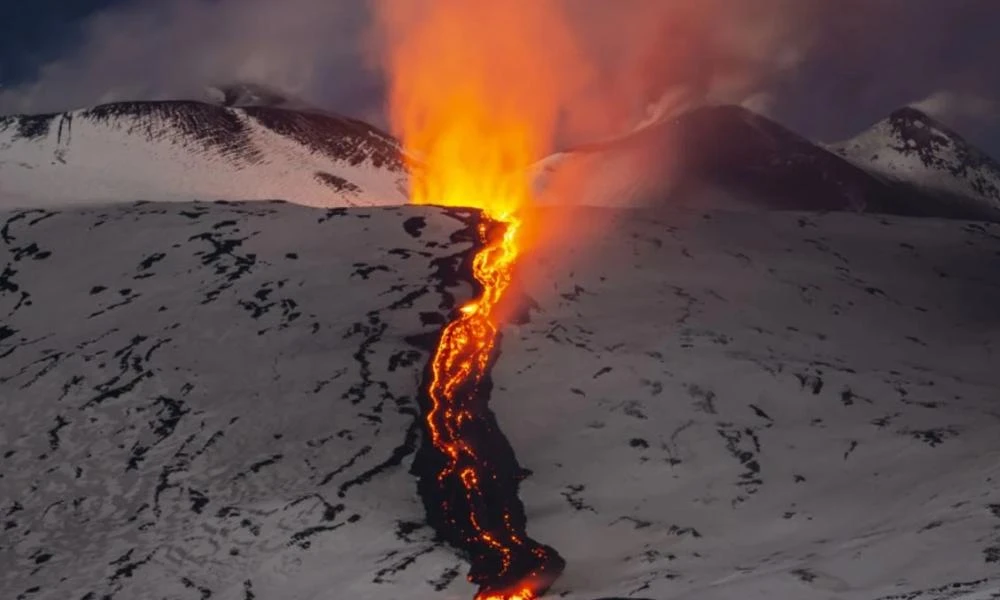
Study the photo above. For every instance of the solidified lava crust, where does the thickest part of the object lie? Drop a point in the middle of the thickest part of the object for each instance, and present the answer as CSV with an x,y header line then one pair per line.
x,y
459,517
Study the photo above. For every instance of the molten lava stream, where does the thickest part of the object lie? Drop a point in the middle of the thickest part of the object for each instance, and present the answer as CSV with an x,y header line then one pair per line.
x,y
472,501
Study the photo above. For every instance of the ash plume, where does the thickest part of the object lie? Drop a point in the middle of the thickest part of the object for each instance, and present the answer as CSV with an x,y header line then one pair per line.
x,y
825,68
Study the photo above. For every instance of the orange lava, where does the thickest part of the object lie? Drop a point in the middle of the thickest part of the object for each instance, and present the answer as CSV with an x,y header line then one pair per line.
x,y
464,351
462,359
475,105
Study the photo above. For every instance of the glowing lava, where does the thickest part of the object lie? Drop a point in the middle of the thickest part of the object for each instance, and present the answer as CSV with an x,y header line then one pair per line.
x,y
472,499
475,103
482,512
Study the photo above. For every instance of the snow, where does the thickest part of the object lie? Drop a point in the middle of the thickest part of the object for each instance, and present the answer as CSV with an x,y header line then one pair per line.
x,y
85,160
769,405
183,407
910,146
784,406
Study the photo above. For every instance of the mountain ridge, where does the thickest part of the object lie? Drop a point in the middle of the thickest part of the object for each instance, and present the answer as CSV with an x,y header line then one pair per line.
x,y
258,149
911,145
190,150
749,155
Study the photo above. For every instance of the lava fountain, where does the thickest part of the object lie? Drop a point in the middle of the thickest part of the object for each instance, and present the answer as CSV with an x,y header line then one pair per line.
x,y
474,94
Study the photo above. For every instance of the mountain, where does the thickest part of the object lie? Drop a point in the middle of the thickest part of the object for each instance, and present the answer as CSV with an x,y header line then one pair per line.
x,y
252,142
184,150
911,146
728,156
218,400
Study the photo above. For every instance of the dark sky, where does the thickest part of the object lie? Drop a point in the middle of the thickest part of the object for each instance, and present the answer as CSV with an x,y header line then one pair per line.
x,y
853,60
35,32
924,47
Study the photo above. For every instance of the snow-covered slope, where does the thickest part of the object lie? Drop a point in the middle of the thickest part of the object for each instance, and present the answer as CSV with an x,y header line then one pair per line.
x,y
217,401
774,405
911,146
167,151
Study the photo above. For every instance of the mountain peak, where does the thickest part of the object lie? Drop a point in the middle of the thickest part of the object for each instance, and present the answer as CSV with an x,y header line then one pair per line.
x,y
190,150
911,122
911,145
911,113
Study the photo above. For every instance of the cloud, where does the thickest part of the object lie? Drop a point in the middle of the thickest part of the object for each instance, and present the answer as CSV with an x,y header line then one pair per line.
x,y
952,107
825,68
156,49
656,57
640,51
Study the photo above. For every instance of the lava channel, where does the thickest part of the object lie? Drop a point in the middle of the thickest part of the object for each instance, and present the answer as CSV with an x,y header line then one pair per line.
x,y
468,473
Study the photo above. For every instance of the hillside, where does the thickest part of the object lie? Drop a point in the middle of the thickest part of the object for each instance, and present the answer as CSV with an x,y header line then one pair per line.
x,y
911,146
184,151
217,400
729,157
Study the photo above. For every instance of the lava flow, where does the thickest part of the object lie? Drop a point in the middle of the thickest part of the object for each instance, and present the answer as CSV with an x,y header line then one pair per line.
x,y
475,103
472,496
469,474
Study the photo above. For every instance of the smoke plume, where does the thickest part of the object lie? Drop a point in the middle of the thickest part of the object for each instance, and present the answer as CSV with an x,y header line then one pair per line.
x,y
827,68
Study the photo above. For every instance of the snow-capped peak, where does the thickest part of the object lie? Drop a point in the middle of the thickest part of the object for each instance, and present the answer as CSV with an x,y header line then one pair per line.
x,y
911,145
186,150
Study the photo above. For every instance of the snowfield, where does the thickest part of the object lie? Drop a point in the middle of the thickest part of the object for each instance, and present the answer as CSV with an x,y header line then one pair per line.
x,y
770,405
184,151
217,400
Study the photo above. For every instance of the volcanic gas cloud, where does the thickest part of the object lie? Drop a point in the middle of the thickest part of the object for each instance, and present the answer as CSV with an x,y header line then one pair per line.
x,y
475,90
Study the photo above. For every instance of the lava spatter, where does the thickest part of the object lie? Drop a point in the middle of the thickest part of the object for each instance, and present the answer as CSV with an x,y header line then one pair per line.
x,y
469,474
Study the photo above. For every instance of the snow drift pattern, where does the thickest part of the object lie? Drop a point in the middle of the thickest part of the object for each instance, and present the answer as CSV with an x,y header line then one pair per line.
x,y
206,399
167,151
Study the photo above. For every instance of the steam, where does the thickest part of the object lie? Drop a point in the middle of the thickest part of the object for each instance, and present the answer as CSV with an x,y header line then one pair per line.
x,y
159,49
658,58
826,68
952,107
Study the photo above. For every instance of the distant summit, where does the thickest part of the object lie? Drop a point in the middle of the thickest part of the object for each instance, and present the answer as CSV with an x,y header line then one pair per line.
x,y
252,142
729,156
911,146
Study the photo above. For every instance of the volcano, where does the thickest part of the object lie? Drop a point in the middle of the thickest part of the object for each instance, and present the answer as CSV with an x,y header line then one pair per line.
x,y
909,145
186,151
801,406
257,144
730,157
769,371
